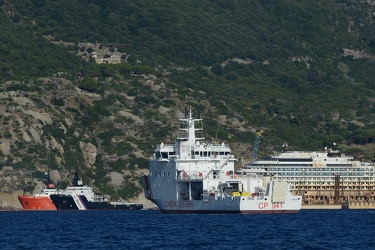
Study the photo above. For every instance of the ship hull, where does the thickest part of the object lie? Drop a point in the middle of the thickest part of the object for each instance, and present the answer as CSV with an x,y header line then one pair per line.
x,y
228,212
66,202
36,203
220,205
241,205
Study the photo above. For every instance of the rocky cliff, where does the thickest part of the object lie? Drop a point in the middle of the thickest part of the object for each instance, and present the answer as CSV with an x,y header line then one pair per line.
x,y
50,123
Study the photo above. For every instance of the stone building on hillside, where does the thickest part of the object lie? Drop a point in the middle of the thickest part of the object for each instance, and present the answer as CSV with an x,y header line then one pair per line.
x,y
113,59
101,53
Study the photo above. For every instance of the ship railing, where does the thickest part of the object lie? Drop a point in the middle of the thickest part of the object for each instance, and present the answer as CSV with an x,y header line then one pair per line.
x,y
188,178
258,196
227,158
123,203
195,176
164,145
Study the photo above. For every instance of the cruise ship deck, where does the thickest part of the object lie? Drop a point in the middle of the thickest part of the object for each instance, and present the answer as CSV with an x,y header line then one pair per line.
x,y
322,178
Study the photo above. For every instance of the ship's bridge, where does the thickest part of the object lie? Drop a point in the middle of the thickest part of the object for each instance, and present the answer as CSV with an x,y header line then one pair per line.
x,y
165,151
203,150
197,151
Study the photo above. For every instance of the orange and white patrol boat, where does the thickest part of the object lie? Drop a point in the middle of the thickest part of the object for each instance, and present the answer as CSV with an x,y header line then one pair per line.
x,y
41,201
191,176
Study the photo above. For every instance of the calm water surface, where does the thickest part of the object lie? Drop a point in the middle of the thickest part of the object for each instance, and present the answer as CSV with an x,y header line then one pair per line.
x,y
309,229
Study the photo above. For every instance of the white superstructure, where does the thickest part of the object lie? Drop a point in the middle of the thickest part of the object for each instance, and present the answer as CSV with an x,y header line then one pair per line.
x,y
46,192
324,177
192,176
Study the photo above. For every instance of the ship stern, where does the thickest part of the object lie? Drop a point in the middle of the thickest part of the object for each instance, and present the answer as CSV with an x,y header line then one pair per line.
x,y
146,187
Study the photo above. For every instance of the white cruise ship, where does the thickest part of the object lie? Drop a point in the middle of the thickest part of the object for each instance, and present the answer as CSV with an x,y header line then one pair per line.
x,y
328,177
192,176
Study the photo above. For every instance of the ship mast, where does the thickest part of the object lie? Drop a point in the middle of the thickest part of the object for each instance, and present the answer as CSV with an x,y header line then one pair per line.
x,y
188,133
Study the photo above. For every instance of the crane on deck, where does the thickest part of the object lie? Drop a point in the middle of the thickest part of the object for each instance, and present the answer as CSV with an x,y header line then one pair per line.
x,y
256,145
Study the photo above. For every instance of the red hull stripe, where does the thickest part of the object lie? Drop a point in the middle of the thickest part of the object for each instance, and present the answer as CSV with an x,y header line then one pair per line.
x,y
81,201
230,212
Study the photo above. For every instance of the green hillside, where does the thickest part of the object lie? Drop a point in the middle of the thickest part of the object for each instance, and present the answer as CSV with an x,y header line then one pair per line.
x,y
298,77
301,71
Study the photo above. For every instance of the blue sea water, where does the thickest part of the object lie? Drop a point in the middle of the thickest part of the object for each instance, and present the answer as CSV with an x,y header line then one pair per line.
x,y
143,229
